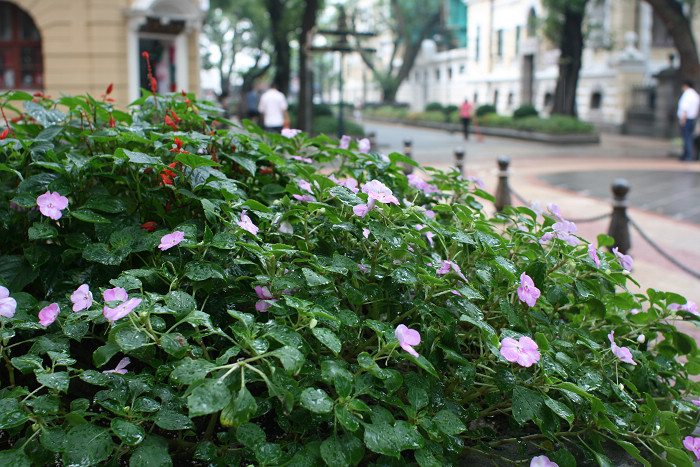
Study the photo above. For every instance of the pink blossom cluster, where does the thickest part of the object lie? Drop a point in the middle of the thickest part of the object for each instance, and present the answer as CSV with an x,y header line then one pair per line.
x,y
623,353
524,351
527,292
417,182
125,305
408,338
376,191
51,204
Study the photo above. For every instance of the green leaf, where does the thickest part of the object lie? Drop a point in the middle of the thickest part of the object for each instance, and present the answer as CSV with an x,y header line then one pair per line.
x,y
209,397
292,360
250,435
54,439
104,354
14,458
244,162
87,444
342,451
137,157
11,414
58,380
128,338
128,432
449,423
632,450
348,420
194,161
313,279
417,397
380,438
40,231
153,452
86,215
203,270
188,371
560,409
240,410
328,338
506,266
316,400
171,420
345,195
527,405
109,204
257,206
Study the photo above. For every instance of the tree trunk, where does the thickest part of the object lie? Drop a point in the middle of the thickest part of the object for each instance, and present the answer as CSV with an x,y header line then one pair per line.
x,y
571,46
280,45
678,25
305,77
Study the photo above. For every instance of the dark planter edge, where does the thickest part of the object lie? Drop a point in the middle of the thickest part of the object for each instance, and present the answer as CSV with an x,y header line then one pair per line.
x,y
567,138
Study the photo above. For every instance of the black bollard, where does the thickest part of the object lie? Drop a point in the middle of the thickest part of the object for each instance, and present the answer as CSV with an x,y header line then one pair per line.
x,y
407,151
372,137
502,190
619,228
459,159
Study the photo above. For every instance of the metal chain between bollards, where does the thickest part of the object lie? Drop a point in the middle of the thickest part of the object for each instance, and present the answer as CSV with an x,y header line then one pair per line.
x,y
661,251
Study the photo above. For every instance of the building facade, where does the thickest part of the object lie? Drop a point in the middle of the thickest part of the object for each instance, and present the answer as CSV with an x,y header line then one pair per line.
x,y
504,59
81,46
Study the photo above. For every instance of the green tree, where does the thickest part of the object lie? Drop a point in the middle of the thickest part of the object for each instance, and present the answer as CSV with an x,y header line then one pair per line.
x,y
564,26
408,23
677,16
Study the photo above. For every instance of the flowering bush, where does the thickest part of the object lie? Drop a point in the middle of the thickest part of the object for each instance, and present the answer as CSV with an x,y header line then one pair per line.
x,y
170,289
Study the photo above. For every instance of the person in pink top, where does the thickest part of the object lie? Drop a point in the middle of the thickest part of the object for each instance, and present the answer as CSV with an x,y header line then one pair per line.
x,y
465,113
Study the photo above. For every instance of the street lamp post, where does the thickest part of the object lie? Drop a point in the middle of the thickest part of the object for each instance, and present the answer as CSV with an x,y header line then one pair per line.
x,y
342,46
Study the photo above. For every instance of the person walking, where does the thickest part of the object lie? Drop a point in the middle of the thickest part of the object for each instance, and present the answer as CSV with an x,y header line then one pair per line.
x,y
688,107
251,101
273,108
465,113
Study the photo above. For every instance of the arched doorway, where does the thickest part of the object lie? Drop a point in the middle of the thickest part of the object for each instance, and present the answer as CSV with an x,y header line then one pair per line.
x,y
21,59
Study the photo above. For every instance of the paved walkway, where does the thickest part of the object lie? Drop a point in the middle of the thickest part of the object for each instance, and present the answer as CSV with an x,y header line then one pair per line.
x,y
664,192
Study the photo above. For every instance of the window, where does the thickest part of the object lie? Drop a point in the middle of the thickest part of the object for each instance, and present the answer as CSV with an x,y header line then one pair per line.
x,y
517,39
462,69
449,74
596,100
495,98
548,99
476,97
510,99
660,37
437,74
21,62
499,43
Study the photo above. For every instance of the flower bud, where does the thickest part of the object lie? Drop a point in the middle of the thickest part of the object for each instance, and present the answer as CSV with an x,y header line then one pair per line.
x,y
641,338
621,386
313,323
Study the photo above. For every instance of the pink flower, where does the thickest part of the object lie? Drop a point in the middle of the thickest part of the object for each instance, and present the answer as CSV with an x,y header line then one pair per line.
x,y
537,207
425,187
81,298
365,232
286,227
623,353
593,254
51,204
302,159
246,224
350,183
430,214
690,307
554,209
564,230
121,367
542,461
361,210
523,351
121,310
117,294
476,181
290,132
364,146
625,261
304,198
407,338
448,265
306,186
692,444
344,142
429,236
170,240
696,403
48,314
378,191
8,305
527,292
265,297
362,267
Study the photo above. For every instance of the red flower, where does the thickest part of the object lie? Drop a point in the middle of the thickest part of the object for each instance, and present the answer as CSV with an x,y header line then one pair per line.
x,y
174,115
167,207
145,55
184,94
4,134
178,143
266,170
171,124
112,122
150,226
110,88
168,175
154,84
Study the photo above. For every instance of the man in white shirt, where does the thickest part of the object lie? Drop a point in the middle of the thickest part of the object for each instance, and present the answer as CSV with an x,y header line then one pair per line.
x,y
273,107
688,107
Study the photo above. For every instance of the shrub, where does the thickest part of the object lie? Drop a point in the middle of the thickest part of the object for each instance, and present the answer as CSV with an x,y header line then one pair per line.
x,y
434,107
526,110
485,110
174,292
329,126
